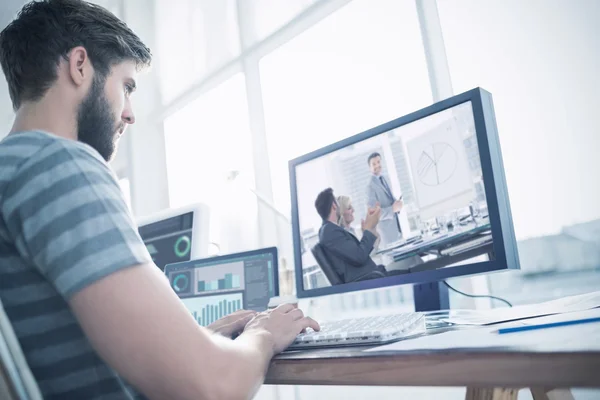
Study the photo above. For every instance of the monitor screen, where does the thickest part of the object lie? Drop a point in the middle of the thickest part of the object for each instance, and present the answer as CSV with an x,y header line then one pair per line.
x,y
426,178
212,288
169,240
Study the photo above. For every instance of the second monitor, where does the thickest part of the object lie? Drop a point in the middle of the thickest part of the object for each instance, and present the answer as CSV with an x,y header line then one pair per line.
x,y
212,288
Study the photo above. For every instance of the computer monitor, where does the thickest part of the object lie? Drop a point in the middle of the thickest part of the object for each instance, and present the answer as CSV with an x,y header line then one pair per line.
x,y
441,166
176,235
212,288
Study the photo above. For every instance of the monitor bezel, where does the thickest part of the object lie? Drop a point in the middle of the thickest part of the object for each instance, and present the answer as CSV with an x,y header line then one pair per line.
x,y
200,225
226,257
504,242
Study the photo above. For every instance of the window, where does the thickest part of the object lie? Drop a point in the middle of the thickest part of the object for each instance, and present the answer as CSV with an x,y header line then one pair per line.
x,y
126,188
322,86
204,142
270,15
539,59
194,37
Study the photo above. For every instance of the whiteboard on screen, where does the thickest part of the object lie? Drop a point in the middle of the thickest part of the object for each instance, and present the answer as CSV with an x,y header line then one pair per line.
x,y
440,170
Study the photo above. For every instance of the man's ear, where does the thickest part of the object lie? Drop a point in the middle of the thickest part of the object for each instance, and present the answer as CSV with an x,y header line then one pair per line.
x,y
80,68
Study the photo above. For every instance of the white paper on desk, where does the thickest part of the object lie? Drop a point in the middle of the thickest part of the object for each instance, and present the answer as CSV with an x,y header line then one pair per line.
x,y
487,317
574,337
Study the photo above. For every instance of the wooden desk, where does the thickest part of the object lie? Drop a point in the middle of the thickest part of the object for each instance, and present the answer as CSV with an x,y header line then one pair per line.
x,y
484,371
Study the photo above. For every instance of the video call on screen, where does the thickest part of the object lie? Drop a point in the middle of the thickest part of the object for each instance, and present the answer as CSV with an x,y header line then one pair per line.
x,y
431,168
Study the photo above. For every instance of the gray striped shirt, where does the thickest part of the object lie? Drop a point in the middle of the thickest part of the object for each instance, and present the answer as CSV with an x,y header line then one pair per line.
x,y
64,225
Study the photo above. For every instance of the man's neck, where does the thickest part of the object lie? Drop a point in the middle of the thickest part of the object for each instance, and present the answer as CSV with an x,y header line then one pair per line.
x,y
45,115
332,219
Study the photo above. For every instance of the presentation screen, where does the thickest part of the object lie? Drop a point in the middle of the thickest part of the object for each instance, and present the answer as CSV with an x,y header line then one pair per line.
x,y
423,179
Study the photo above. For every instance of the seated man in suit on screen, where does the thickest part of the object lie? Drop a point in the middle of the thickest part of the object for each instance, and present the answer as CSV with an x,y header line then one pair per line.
x,y
348,256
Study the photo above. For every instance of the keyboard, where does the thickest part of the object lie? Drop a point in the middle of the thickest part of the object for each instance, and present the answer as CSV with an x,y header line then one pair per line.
x,y
361,331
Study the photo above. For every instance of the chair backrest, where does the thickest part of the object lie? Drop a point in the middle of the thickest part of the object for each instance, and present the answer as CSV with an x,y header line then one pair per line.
x,y
16,380
323,261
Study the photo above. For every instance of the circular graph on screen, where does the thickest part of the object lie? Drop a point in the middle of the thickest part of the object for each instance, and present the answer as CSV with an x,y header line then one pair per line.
x,y
183,245
437,164
181,282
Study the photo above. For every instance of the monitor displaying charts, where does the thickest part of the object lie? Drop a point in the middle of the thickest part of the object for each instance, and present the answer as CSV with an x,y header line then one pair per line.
x,y
212,288
176,235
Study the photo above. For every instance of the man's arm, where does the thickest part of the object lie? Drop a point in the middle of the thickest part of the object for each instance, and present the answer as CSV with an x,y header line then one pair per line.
x,y
137,324
373,200
340,243
68,218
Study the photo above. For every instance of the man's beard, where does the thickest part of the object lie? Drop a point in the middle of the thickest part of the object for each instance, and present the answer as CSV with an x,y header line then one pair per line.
x,y
95,124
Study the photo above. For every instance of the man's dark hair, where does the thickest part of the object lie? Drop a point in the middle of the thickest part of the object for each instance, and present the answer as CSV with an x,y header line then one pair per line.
x,y
32,45
324,201
372,156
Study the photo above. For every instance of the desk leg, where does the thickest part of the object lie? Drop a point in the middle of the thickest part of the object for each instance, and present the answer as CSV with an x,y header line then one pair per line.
x,y
491,394
552,394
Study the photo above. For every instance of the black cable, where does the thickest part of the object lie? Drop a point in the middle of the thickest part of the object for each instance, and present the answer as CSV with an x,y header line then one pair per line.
x,y
478,295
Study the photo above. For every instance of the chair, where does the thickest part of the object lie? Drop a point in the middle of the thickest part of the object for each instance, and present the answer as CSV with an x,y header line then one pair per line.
x,y
16,380
331,274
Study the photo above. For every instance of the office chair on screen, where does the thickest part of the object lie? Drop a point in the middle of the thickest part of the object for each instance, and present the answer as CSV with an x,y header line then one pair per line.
x,y
331,274
16,380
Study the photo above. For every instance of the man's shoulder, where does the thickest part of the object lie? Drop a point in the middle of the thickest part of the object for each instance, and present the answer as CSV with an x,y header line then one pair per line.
x,y
27,144
31,161
328,228
372,181
18,150
22,145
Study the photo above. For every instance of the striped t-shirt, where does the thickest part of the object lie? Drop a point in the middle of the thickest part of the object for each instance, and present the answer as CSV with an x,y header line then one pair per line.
x,y
64,225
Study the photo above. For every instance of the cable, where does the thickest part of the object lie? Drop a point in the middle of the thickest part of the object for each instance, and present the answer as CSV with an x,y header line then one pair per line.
x,y
218,249
478,295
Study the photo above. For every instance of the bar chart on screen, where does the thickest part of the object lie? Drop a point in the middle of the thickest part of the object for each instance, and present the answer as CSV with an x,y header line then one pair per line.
x,y
208,309
219,278
229,281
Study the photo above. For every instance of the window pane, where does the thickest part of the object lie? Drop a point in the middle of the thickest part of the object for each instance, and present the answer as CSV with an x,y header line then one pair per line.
x,y
359,67
270,15
540,60
194,37
126,188
203,142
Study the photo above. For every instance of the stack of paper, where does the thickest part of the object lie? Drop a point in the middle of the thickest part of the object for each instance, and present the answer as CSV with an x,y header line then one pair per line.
x,y
487,317
584,337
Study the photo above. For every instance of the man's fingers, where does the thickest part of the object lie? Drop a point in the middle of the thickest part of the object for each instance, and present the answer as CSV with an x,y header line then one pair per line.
x,y
308,322
246,318
285,308
297,314
243,313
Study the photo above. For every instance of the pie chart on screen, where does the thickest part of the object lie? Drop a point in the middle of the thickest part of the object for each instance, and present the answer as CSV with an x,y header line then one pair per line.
x,y
437,164
181,282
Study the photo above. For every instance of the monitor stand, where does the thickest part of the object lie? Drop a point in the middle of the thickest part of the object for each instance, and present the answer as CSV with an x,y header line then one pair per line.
x,y
432,296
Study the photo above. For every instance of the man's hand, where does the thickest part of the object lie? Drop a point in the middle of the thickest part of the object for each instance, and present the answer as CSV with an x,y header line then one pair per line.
x,y
372,219
397,206
281,326
233,323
